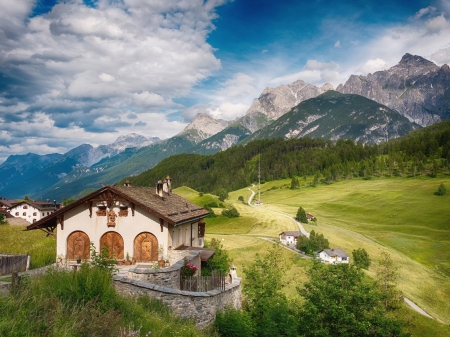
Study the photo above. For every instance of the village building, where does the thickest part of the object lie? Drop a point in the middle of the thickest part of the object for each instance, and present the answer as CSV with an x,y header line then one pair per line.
x,y
333,256
33,211
289,238
135,222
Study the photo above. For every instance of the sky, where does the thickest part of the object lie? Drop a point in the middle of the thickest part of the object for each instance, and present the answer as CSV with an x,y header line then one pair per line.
x,y
75,72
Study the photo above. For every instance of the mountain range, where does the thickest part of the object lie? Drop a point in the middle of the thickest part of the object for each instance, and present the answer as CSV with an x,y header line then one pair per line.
x,y
368,109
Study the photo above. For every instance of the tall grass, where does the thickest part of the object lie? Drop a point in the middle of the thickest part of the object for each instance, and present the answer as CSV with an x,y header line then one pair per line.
x,y
15,240
85,303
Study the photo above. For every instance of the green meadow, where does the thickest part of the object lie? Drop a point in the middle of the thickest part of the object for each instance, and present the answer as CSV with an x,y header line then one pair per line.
x,y
399,215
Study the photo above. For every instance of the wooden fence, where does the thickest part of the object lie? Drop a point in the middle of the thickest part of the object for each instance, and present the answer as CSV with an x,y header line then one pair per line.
x,y
13,263
203,283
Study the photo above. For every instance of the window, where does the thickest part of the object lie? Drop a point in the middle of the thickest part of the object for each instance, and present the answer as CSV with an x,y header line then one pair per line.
x,y
24,214
43,214
34,220
25,207
34,213
17,213
48,213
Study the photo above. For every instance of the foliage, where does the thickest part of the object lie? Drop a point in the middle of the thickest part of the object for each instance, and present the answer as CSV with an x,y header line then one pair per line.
x,y
210,210
103,260
69,201
301,215
295,183
222,194
441,189
338,302
315,242
387,275
324,160
361,258
234,323
188,269
2,219
220,261
85,303
264,300
241,198
231,212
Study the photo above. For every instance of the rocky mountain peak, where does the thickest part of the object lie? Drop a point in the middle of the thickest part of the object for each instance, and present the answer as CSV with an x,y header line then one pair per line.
x,y
415,87
275,102
414,60
203,126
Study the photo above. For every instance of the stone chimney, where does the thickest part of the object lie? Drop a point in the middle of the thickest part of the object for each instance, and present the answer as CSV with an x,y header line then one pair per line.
x,y
159,188
127,183
167,186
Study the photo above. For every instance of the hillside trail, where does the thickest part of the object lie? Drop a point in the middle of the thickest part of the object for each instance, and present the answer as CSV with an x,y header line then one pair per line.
x,y
410,303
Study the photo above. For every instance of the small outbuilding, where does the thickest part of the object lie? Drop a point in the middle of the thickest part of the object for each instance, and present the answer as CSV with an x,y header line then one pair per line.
x,y
333,256
289,237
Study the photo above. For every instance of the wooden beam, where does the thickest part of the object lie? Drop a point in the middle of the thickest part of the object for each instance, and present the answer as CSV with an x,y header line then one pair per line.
x,y
60,220
48,232
161,223
132,209
89,204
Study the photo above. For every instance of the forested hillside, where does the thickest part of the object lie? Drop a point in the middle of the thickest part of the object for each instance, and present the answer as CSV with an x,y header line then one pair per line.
x,y
424,151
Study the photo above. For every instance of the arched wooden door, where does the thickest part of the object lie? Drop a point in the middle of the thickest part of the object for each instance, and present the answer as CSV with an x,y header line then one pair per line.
x,y
114,242
145,247
78,244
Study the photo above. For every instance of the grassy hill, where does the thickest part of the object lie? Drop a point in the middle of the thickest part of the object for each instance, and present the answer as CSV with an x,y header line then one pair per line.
x,y
399,215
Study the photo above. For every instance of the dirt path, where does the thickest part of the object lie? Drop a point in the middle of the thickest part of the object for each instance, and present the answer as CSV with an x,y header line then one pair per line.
x,y
410,303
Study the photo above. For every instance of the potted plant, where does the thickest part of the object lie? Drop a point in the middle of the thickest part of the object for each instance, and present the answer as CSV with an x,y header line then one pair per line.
x,y
127,261
167,263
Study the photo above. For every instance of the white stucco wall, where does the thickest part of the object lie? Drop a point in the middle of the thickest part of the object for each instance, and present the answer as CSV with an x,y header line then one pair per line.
x,y
77,219
29,212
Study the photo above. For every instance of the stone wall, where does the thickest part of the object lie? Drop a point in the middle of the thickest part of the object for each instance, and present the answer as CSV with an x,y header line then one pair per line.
x,y
201,307
167,277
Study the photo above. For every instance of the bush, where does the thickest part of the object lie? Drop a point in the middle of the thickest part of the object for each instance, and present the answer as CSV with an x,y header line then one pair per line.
x,y
231,213
211,212
241,198
234,323
220,261
441,190
301,215
361,258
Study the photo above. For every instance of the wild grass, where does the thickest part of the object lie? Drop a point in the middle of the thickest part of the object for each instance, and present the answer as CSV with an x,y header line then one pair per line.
x,y
14,240
85,303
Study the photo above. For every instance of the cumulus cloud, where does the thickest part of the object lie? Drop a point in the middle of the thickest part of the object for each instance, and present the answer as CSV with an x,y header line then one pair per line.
x,y
372,66
91,67
422,35
337,44
314,72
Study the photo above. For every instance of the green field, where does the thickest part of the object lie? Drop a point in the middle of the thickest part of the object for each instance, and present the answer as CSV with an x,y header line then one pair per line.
x,y
399,215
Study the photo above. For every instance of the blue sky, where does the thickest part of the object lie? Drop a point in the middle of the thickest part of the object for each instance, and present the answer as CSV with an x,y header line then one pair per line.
x,y
74,72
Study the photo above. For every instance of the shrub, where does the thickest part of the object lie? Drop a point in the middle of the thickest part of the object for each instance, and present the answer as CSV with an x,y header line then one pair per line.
x,y
441,190
234,323
231,213
361,258
301,215
211,212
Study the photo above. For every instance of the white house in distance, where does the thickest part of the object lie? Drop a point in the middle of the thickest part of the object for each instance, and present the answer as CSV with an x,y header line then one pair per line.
x,y
33,211
333,256
140,222
289,238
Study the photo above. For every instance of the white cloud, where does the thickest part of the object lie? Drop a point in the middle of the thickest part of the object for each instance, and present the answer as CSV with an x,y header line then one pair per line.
x,y
237,88
264,51
228,111
337,44
88,67
314,72
437,24
424,11
372,66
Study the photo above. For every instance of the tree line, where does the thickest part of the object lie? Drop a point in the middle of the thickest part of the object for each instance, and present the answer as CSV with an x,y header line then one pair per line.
x,y
424,151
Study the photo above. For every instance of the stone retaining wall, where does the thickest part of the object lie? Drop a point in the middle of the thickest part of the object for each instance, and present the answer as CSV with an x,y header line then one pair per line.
x,y
201,307
167,277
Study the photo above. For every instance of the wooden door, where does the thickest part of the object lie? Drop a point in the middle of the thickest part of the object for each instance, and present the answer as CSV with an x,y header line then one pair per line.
x,y
114,242
145,247
78,245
